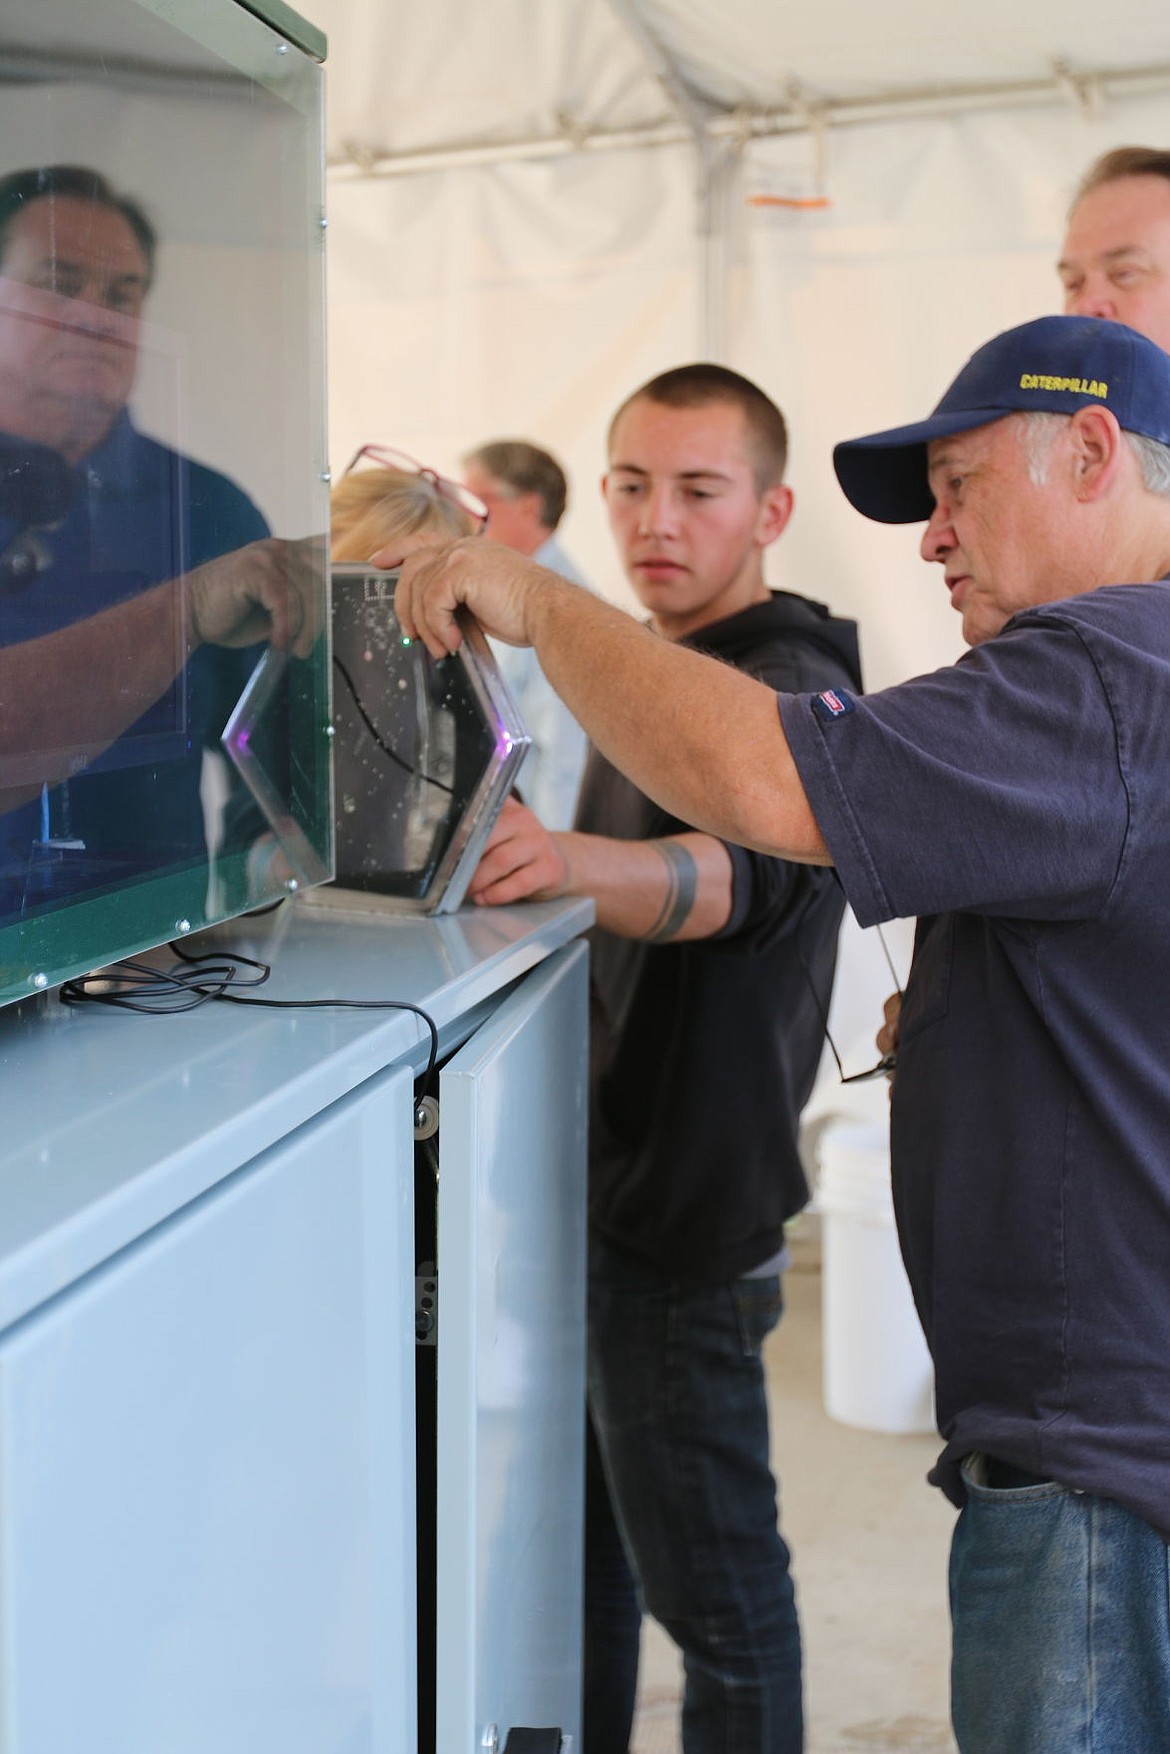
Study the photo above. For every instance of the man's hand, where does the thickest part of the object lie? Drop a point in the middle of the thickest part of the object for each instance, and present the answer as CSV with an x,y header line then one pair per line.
x,y
522,861
271,590
664,891
887,1035
495,583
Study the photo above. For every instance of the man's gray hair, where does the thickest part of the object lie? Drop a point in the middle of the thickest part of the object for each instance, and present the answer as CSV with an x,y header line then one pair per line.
x,y
1038,431
1155,462
521,467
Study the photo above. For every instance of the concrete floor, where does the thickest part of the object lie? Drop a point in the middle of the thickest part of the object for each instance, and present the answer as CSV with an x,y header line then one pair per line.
x,y
869,1541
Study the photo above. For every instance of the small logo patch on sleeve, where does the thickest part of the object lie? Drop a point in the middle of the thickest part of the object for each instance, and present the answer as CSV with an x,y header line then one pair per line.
x,y
833,704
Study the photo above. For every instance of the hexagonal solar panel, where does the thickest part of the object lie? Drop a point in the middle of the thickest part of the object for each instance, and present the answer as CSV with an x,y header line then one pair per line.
x,y
424,754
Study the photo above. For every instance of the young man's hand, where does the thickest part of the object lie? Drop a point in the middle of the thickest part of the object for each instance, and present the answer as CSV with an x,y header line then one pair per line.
x,y
522,861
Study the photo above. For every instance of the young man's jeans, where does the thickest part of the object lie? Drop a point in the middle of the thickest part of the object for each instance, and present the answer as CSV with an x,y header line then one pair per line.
x,y
1061,1612
676,1395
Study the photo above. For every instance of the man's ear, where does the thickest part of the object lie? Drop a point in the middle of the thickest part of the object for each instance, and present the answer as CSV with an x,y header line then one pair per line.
x,y
1095,441
775,511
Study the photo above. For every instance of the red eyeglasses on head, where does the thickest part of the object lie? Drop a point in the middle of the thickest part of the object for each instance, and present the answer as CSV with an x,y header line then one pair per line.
x,y
384,457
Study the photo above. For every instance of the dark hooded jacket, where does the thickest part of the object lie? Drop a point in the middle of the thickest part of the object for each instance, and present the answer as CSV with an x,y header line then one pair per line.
x,y
704,1053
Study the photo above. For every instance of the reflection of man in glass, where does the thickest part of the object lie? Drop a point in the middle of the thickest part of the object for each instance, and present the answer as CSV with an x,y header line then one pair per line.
x,y
67,359
76,262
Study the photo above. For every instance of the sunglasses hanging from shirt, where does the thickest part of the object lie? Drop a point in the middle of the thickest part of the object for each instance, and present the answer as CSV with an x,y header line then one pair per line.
x,y
886,1066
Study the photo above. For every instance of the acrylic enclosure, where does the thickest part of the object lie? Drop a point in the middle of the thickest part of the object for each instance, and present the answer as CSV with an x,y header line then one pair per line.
x,y
424,754
162,466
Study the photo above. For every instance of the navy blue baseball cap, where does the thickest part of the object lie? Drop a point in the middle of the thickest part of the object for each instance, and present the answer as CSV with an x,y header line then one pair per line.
x,y
1054,364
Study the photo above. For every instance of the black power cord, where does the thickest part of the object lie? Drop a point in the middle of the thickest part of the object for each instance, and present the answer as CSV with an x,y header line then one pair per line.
x,y
387,750
135,986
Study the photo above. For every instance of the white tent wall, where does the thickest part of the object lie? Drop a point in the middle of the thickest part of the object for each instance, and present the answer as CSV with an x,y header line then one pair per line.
x,y
510,300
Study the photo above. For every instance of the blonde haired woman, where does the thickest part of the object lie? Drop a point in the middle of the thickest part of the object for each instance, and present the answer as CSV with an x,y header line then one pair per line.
x,y
384,496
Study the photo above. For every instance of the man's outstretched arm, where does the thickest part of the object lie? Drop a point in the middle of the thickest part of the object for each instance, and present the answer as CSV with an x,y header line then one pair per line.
x,y
701,739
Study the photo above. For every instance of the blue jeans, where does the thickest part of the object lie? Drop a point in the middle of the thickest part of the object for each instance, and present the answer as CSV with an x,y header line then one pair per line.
x,y
676,1396
613,1618
1060,1604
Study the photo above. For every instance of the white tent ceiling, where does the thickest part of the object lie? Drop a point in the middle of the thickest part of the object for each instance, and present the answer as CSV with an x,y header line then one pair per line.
x,y
554,73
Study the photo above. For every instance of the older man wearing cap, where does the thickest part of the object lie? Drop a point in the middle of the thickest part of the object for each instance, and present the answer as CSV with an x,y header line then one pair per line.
x,y
1017,801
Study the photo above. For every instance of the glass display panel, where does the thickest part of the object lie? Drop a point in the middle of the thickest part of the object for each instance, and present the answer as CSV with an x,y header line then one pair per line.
x,y
424,753
163,475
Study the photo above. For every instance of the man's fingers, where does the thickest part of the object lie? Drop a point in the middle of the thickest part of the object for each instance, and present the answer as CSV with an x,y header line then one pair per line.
x,y
305,604
514,819
426,601
887,1035
286,588
287,584
499,862
274,596
508,889
496,585
493,892
271,590
388,558
519,860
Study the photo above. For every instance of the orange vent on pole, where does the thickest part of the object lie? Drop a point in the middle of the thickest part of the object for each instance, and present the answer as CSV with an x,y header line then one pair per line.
x,y
794,203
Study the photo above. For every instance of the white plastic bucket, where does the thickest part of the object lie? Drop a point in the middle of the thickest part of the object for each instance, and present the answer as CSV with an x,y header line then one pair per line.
x,y
877,1371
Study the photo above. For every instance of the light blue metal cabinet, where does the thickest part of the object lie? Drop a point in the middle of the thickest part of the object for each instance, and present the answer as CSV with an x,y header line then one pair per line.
x,y
206,1453
208,1471
511,1364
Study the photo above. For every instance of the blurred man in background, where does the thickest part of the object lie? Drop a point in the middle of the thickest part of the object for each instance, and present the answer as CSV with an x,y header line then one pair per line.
x,y
1115,261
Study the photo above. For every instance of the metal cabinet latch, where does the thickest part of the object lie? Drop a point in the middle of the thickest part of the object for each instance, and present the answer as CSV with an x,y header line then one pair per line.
x,y
426,1304
525,1741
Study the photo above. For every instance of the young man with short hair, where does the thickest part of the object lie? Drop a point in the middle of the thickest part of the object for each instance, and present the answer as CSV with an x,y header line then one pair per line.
x,y
711,974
